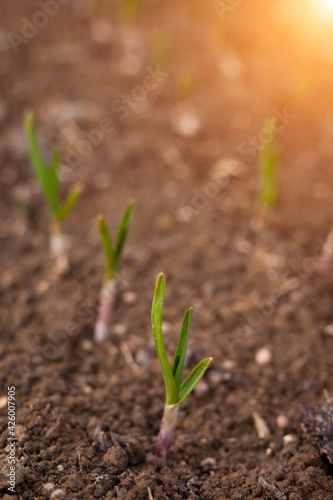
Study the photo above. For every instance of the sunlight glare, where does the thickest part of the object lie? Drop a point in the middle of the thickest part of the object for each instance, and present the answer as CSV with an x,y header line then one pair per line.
x,y
328,4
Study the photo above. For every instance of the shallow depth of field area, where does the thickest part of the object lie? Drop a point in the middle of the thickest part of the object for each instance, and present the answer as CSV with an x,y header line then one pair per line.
x,y
194,139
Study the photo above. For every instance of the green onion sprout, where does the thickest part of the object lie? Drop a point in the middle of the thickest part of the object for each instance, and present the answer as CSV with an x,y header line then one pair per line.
x,y
268,162
47,176
112,254
176,390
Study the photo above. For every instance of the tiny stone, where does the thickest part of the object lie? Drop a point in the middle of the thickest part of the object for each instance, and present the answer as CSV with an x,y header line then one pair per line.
x,y
21,433
119,329
328,330
261,426
208,464
86,389
166,327
129,297
48,487
263,356
57,494
3,402
228,364
269,451
281,421
87,345
60,467
289,438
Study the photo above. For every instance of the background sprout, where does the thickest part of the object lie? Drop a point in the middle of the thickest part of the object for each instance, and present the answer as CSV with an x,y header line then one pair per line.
x,y
176,390
47,176
160,49
184,84
112,254
130,10
268,161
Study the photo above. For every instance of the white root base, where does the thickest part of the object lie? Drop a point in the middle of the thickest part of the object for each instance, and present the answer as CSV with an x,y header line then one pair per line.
x,y
105,311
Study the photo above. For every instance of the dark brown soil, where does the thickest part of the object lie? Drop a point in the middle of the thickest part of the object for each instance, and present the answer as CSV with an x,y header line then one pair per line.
x,y
88,416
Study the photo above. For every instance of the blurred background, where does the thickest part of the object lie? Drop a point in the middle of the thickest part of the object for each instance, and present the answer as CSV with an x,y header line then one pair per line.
x,y
177,85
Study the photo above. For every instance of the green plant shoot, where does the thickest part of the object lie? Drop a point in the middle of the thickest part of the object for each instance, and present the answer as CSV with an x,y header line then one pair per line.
x,y
47,175
112,254
130,10
48,178
176,389
268,162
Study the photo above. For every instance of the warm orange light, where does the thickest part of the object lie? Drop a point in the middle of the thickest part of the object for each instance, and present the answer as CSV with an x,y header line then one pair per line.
x,y
328,4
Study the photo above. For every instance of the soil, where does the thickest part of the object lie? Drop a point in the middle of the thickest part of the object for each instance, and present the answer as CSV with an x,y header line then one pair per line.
x,y
87,416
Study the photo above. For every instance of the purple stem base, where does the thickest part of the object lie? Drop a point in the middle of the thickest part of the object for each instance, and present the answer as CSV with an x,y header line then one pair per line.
x,y
167,430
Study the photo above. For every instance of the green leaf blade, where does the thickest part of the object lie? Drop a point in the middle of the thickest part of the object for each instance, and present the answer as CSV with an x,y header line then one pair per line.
x,y
193,378
180,354
107,246
70,202
46,176
268,162
123,231
156,320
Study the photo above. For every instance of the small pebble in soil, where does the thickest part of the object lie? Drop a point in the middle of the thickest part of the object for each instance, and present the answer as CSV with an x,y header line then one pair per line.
x,y
119,329
289,438
21,433
129,297
328,330
282,421
261,426
60,468
57,494
228,364
263,356
48,487
208,464
87,345
166,327
3,402
115,459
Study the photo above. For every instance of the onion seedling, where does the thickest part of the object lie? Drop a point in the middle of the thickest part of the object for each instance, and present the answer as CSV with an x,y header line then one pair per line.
x,y
268,161
176,390
112,254
47,176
